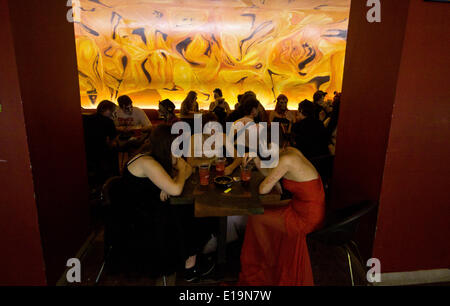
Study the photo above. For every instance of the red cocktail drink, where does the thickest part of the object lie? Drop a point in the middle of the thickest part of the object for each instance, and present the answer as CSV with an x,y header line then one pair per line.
x,y
220,166
203,171
246,174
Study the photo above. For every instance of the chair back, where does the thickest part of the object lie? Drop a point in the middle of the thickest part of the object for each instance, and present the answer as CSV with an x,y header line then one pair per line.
x,y
341,225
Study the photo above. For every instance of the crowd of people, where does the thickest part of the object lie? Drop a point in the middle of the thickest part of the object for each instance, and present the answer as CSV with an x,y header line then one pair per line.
x,y
274,251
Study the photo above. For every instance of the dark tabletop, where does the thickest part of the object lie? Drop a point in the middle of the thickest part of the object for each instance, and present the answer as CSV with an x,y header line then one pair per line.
x,y
212,201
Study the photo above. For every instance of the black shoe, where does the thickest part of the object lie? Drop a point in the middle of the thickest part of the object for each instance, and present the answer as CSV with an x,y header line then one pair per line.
x,y
191,274
207,265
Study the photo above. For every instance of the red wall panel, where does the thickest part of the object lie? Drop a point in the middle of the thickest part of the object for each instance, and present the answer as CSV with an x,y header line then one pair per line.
x,y
47,67
21,259
370,75
413,224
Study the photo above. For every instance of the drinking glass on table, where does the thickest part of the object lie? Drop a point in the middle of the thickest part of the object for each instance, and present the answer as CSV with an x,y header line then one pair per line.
x,y
203,171
246,174
220,165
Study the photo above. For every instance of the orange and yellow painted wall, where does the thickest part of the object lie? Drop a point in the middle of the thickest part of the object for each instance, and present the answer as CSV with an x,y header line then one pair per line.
x,y
155,49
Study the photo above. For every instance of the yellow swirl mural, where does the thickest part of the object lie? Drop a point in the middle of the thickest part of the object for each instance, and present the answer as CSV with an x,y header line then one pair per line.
x,y
156,49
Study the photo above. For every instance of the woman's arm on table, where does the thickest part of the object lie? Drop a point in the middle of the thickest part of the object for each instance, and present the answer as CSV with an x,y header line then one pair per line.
x,y
156,173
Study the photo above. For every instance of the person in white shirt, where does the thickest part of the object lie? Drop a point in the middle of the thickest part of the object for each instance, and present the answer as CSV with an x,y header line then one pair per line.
x,y
129,118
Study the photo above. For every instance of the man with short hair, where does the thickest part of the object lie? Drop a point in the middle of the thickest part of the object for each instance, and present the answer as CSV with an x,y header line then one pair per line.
x,y
309,133
219,102
128,117
100,143
167,111
320,105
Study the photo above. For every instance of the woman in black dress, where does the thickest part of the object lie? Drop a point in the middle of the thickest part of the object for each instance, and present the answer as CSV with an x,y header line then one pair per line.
x,y
172,233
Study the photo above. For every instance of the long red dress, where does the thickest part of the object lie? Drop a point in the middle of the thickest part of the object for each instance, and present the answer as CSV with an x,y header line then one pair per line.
x,y
275,252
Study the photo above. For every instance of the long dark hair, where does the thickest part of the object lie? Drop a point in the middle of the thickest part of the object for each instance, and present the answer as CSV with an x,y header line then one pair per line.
x,y
160,146
278,105
189,100
249,102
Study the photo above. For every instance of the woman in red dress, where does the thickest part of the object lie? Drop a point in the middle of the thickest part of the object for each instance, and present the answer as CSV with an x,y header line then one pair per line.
x,y
275,252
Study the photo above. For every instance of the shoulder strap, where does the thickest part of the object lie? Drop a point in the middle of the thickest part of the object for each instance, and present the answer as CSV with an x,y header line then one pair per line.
x,y
135,159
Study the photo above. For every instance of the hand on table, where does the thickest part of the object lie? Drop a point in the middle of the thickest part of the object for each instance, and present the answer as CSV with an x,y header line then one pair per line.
x,y
164,196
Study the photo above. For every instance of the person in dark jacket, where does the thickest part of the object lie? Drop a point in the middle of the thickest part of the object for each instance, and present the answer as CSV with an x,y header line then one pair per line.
x,y
100,142
310,135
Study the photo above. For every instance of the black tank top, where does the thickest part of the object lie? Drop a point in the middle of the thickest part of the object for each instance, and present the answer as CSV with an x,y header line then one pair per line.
x,y
140,189
151,235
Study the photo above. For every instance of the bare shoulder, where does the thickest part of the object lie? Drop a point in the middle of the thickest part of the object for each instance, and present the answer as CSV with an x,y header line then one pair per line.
x,y
148,161
287,159
299,165
149,166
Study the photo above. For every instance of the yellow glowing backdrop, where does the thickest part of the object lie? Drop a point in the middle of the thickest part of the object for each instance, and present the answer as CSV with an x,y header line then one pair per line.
x,y
156,49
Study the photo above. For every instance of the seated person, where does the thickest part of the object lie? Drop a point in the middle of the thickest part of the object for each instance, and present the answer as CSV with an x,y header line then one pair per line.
x,y
322,107
250,110
262,114
189,105
150,182
282,115
234,115
129,118
310,136
275,252
167,111
237,113
220,107
100,142
197,161
219,102
239,98
235,224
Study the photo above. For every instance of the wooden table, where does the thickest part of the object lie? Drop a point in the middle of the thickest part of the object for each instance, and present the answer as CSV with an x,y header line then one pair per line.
x,y
211,201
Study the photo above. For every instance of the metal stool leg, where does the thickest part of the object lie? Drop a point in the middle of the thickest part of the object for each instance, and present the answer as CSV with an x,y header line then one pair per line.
x,y
357,251
103,265
100,273
350,265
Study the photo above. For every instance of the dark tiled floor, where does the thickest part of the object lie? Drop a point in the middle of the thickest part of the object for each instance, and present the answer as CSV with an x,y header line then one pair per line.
x,y
330,268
